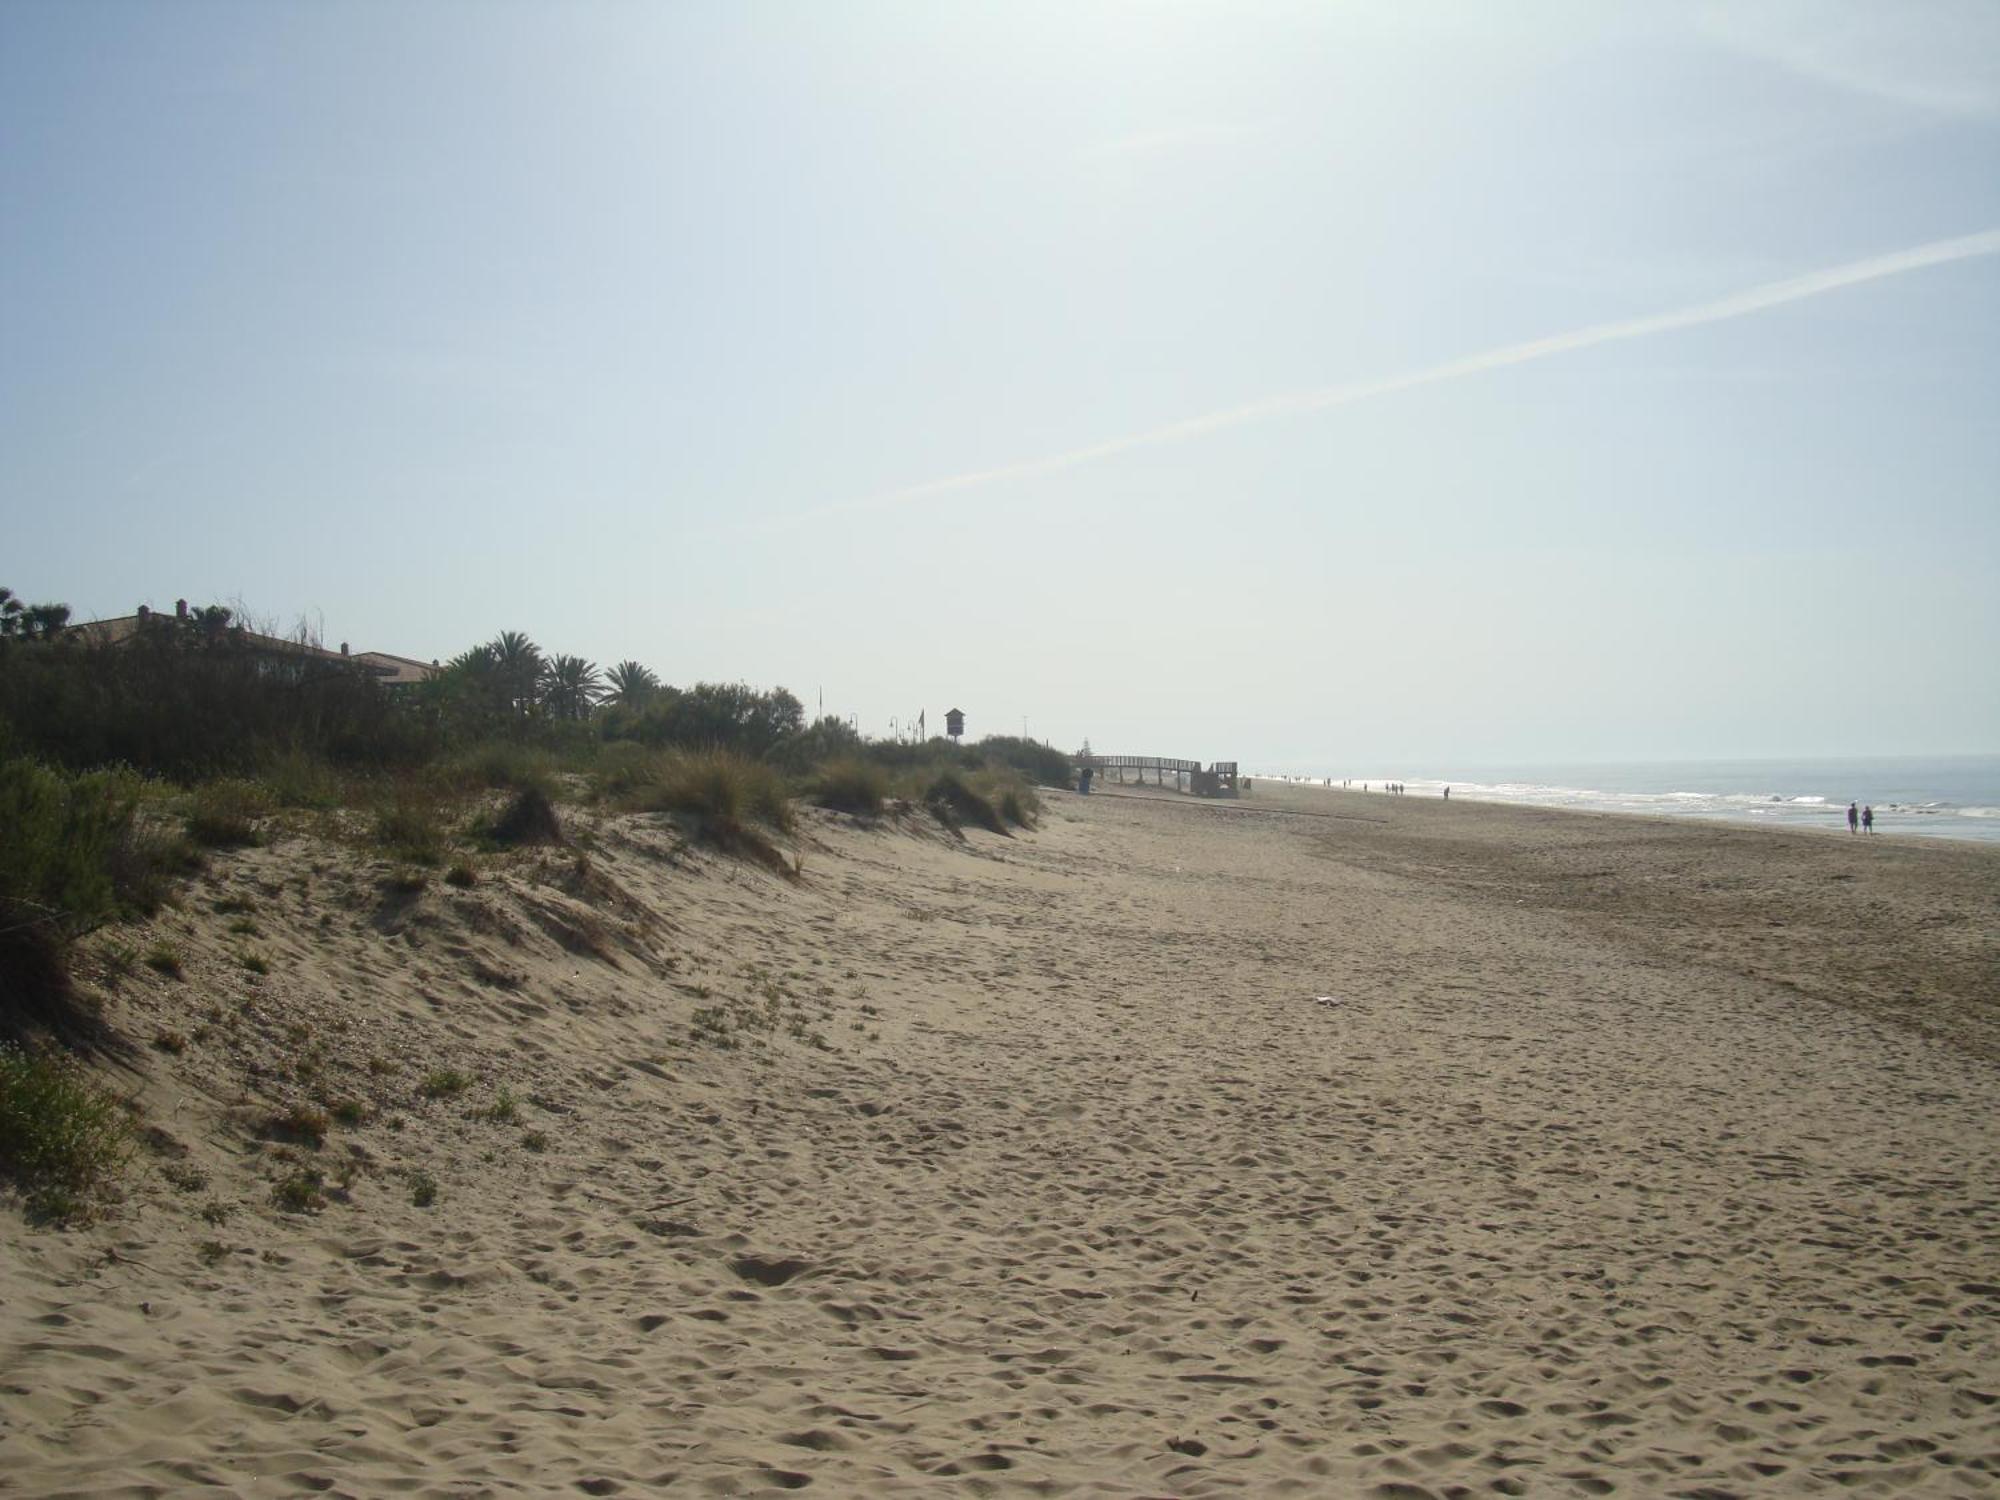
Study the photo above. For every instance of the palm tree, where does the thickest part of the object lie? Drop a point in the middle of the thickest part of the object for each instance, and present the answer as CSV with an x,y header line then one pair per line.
x,y
570,687
30,622
46,621
631,684
470,684
519,663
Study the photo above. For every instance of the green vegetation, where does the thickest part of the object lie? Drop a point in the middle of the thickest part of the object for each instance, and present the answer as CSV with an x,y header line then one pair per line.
x,y
305,1123
719,797
184,1176
954,800
224,813
62,1139
72,857
301,1192
529,819
123,759
295,779
850,785
410,825
442,1083
503,765
164,958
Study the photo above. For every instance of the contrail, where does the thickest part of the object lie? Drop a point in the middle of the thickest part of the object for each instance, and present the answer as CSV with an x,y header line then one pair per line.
x,y
1740,304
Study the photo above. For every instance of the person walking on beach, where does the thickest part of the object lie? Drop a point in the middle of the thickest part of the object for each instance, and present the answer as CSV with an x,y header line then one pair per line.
x,y
1447,794
1868,819
1853,818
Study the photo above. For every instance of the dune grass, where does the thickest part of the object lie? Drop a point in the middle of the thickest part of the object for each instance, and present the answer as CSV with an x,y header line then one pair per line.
x,y
722,799
73,856
954,801
503,765
62,1139
529,818
295,779
850,785
223,814
410,823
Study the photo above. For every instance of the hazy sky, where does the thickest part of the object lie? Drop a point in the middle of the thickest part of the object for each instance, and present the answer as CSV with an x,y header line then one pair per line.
x,y
1325,385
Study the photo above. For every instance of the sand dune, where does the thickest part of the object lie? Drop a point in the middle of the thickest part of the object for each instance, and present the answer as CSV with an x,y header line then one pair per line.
x,y
1317,1145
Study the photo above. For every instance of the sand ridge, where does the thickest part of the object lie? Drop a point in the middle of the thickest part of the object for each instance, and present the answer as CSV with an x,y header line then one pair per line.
x,y
1178,1151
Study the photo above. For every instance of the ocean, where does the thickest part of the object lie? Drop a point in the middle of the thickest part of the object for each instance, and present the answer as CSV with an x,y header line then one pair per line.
x,y
1952,797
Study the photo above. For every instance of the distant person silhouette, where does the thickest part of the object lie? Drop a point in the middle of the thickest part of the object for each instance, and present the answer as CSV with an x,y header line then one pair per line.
x,y
1868,819
1853,817
1447,794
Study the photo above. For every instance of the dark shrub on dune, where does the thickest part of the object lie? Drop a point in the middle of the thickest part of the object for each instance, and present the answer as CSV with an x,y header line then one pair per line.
x,y
954,801
224,813
717,715
820,744
529,819
62,1139
717,796
70,860
850,786
191,703
1043,764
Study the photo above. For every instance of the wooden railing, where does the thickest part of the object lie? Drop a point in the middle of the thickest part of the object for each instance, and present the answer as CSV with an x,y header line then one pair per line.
x,y
1219,780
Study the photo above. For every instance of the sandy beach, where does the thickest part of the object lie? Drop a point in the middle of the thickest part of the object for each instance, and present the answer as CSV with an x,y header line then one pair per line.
x,y
1316,1144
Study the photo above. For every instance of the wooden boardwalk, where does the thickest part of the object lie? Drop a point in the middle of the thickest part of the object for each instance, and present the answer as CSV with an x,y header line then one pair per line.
x,y
1217,780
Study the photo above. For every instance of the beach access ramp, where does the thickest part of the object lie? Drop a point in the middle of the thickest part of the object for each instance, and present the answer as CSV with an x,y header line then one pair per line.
x,y
1217,780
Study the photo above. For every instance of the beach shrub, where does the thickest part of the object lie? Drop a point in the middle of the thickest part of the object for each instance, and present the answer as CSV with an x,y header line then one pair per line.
x,y
850,785
717,793
1042,764
165,958
61,836
409,823
529,819
193,698
1009,792
305,1123
223,814
934,755
623,766
303,1192
293,778
827,741
443,1083
71,859
710,715
504,765
720,797
953,801
1018,805
62,1139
